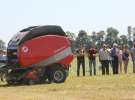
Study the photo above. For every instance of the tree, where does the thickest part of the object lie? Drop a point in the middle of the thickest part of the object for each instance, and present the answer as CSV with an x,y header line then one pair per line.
x,y
108,40
88,42
100,38
71,35
100,35
123,40
72,38
94,37
83,39
112,36
112,32
82,34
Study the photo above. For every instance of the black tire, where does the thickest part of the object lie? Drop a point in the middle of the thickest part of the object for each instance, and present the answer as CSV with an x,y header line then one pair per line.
x,y
57,74
31,82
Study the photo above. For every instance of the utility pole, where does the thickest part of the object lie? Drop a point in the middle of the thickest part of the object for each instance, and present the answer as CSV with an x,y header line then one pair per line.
x,y
129,36
129,32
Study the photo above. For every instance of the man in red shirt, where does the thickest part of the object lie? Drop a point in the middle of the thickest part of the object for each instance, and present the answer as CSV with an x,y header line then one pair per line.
x,y
92,59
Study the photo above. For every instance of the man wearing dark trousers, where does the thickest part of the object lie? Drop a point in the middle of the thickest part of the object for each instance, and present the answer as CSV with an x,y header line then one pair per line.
x,y
92,59
80,60
114,54
104,59
133,56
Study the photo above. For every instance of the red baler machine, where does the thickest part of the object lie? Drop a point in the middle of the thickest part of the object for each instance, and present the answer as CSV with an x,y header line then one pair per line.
x,y
38,53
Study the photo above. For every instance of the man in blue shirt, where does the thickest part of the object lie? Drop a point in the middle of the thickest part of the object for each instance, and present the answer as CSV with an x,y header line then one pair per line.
x,y
133,56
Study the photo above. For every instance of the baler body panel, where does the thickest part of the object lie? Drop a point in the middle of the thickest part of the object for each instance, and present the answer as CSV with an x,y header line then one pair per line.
x,y
42,48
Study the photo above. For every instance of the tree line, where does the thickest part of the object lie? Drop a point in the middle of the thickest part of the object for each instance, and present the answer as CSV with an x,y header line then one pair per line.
x,y
110,36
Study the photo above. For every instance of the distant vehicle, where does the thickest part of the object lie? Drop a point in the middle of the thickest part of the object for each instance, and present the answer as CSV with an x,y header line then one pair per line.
x,y
38,53
3,59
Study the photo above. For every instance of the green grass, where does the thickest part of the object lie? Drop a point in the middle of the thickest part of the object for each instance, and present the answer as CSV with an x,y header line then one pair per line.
x,y
112,87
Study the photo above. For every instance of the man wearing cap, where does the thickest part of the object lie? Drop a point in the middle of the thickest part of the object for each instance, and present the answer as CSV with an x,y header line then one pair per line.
x,y
104,59
114,55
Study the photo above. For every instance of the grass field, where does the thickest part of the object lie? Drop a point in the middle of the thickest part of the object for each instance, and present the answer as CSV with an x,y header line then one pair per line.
x,y
112,87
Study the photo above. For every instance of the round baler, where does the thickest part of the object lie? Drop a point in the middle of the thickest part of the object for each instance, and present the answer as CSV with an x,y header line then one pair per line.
x,y
36,54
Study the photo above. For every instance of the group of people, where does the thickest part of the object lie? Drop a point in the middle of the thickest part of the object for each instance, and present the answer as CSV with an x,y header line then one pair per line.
x,y
116,56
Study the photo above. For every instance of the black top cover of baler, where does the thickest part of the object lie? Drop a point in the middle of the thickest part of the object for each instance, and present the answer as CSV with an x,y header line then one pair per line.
x,y
36,31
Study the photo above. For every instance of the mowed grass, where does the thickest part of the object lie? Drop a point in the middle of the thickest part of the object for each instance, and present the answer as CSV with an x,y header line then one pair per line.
x,y
112,87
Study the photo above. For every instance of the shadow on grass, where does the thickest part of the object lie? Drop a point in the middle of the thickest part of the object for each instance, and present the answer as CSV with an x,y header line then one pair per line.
x,y
21,84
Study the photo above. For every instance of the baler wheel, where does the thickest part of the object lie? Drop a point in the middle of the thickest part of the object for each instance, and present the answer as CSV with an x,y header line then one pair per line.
x,y
59,74
31,82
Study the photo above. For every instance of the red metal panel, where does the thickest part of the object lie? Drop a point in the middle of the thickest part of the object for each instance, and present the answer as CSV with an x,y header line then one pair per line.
x,y
66,61
40,48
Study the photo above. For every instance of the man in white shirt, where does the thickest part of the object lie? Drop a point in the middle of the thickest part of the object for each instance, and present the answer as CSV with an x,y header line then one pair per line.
x,y
103,58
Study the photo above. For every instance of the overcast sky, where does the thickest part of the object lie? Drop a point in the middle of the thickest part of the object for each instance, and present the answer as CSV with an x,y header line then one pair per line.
x,y
72,15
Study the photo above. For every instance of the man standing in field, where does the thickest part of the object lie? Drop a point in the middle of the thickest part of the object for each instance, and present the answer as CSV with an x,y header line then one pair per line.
x,y
92,59
103,58
115,62
133,56
80,60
